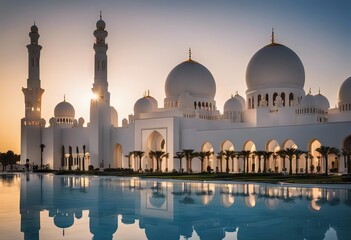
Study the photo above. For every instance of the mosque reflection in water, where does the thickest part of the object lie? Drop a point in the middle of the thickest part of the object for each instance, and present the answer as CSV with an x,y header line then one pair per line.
x,y
177,210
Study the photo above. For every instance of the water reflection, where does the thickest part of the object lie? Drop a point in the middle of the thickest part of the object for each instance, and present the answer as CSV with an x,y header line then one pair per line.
x,y
174,210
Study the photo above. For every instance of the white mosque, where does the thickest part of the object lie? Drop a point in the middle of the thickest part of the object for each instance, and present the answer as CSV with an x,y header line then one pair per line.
x,y
275,114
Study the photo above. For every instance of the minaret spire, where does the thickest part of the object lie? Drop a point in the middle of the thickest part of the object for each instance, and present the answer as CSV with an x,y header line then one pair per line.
x,y
100,15
272,35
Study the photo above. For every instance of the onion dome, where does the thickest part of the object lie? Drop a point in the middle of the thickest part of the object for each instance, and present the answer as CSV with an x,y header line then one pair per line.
x,y
232,105
275,66
152,100
64,220
80,121
100,24
34,28
52,121
241,99
344,96
322,102
143,105
191,77
308,101
64,110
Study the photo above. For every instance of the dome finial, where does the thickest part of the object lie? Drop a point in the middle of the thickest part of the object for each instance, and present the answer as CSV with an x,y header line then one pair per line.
x,y
100,15
148,93
34,23
319,90
310,91
64,97
189,54
272,35
236,92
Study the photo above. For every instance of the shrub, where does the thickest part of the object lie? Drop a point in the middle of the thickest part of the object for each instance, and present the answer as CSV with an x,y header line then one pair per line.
x,y
90,167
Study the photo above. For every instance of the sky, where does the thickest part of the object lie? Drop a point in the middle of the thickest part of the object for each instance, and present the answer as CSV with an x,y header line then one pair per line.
x,y
147,39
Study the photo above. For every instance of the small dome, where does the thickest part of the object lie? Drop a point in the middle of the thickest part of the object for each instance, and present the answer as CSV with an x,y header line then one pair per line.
x,y
100,24
143,105
64,109
344,96
153,102
52,121
80,121
34,29
124,122
275,66
64,220
232,105
322,102
191,77
241,99
308,101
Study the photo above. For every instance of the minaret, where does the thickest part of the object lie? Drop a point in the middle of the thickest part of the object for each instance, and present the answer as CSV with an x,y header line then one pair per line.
x,y
33,92
100,86
32,123
100,110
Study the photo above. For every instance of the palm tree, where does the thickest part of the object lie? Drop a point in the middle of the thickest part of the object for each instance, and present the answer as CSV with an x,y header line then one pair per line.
x,y
63,156
245,155
157,155
42,146
325,152
202,155
307,155
282,153
290,152
266,156
139,154
219,158
129,155
70,158
83,165
180,156
298,154
227,154
259,154
189,155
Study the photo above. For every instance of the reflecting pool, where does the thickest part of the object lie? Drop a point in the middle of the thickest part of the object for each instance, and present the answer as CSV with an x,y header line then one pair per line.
x,y
45,206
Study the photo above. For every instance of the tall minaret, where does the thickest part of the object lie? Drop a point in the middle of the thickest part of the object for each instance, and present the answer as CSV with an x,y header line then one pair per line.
x,y
100,86
33,91
100,110
32,123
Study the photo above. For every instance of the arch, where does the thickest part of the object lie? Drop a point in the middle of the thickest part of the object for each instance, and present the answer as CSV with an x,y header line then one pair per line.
x,y
195,105
227,145
274,162
249,103
207,146
289,144
267,99
252,164
291,99
259,98
249,145
282,95
117,156
155,142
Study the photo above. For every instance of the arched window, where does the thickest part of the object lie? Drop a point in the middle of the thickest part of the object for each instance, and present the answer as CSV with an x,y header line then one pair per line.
x,y
195,105
199,105
282,95
253,103
291,99
258,100
249,103
267,99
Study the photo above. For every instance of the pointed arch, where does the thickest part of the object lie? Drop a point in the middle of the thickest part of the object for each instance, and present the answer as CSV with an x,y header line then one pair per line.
x,y
227,145
207,146
117,156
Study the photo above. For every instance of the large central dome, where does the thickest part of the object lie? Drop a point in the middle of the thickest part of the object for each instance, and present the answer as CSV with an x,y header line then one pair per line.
x,y
275,66
191,77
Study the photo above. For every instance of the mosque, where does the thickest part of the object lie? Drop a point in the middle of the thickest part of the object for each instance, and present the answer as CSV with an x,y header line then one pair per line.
x,y
275,114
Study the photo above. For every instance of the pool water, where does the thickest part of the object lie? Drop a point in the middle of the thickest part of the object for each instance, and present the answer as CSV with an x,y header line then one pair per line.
x,y
46,206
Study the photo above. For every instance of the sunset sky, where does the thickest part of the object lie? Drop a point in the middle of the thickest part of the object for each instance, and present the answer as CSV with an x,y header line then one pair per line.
x,y
148,38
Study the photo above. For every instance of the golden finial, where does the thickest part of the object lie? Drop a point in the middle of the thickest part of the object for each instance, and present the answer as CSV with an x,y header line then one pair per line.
x,y
34,23
231,95
272,35
310,91
64,97
319,91
189,54
236,92
100,15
